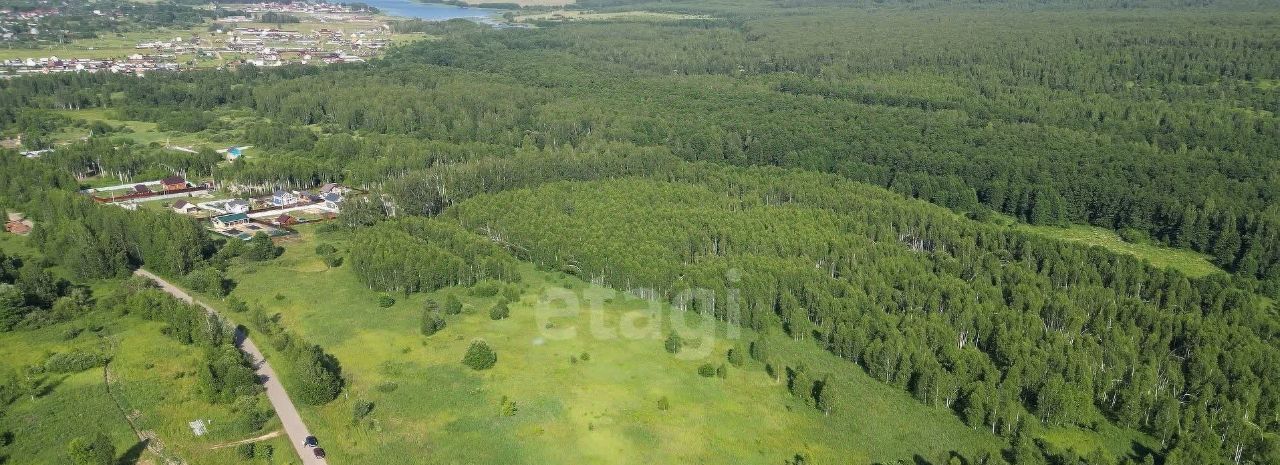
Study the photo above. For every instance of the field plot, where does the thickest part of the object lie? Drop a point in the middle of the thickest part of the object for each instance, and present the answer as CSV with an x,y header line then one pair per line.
x,y
585,399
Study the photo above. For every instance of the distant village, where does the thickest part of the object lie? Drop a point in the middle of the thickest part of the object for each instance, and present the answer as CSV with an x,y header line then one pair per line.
x,y
263,47
236,216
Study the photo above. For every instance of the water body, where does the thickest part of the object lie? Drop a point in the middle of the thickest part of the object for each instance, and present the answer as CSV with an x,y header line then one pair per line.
x,y
431,11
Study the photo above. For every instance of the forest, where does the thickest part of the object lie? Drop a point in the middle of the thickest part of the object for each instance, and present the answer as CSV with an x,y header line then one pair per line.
x,y
850,164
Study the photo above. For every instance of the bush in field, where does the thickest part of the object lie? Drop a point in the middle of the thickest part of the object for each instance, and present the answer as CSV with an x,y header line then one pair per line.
x,y
361,409
706,370
511,293
75,361
508,407
499,311
664,404
319,378
673,343
250,417
245,451
479,356
452,305
329,254
486,288
210,281
237,305
261,248
736,356
431,323
92,450
386,301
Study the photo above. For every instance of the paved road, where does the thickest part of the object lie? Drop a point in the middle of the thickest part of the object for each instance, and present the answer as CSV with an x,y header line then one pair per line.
x,y
288,414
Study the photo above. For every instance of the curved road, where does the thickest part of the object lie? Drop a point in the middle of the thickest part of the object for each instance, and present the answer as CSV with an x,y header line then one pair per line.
x,y
288,414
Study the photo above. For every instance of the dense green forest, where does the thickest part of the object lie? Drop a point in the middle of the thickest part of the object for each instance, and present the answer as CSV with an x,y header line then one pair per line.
x,y
842,161
1165,127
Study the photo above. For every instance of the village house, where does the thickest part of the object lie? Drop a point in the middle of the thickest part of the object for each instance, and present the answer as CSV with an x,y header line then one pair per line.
x,y
284,220
333,200
141,189
237,206
281,198
227,221
185,208
173,183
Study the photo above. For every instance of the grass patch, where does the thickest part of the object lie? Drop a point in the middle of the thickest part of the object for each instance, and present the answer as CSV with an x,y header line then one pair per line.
x,y
1189,262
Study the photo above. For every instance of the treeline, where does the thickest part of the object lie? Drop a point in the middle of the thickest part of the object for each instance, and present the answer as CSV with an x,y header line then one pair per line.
x,y
1000,327
126,161
96,241
32,297
416,254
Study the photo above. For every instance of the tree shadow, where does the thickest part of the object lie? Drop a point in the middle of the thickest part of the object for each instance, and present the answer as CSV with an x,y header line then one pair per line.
x,y
133,454
49,384
1140,451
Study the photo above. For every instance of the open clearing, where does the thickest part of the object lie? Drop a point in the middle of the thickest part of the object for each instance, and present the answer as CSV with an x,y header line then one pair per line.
x,y
601,410
1188,262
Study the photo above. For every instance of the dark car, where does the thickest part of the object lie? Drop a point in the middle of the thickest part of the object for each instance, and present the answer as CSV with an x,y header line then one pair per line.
x,y
311,441
319,452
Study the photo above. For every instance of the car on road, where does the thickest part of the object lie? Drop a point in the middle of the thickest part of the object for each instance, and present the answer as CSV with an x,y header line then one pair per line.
x,y
319,452
311,441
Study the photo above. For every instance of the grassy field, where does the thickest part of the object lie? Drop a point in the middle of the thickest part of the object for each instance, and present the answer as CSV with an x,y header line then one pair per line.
x,y
604,410
146,132
1188,262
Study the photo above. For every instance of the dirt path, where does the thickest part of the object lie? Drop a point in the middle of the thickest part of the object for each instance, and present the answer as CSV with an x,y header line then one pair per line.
x,y
289,417
271,435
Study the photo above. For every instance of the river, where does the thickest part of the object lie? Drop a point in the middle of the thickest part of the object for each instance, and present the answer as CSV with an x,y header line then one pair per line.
x,y
430,11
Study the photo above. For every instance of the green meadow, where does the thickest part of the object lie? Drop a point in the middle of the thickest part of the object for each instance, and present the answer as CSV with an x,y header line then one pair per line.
x,y
571,408
1189,262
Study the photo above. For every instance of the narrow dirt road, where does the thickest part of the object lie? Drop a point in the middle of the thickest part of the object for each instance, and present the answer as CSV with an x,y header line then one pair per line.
x,y
293,425
271,435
